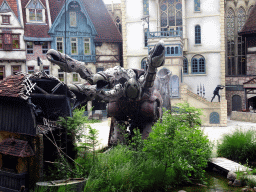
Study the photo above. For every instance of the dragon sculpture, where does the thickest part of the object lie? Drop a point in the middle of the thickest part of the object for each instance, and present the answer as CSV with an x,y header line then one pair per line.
x,y
133,102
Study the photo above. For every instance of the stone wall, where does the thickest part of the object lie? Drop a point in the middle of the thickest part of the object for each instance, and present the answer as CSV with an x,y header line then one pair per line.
x,y
107,55
243,116
236,81
251,67
206,106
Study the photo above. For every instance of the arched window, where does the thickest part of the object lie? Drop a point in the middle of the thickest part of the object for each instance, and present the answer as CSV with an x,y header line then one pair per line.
x,y
214,118
118,24
198,64
144,63
235,44
185,65
168,51
146,37
197,34
172,50
249,10
241,17
170,13
174,86
197,5
176,50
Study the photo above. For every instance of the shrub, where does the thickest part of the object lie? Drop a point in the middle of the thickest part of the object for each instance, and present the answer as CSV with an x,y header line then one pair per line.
x,y
175,152
238,146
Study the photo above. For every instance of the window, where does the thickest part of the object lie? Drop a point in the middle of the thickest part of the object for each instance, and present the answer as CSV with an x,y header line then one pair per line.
x,y
98,69
46,69
61,75
118,24
31,69
1,41
87,50
146,37
9,163
198,64
15,41
214,118
73,46
72,19
16,69
145,7
174,86
6,19
197,34
197,5
144,63
185,65
60,44
29,47
9,41
2,72
44,47
35,11
75,77
235,44
170,14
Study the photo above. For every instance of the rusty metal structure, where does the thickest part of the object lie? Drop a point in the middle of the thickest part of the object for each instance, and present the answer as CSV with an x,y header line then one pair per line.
x,y
133,102
30,105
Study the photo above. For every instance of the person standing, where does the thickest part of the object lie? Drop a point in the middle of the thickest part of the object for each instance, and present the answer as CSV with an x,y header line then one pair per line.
x,y
216,92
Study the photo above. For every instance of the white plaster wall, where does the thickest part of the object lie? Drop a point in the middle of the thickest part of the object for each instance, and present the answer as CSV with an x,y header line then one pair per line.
x,y
210,80
210,34
208,7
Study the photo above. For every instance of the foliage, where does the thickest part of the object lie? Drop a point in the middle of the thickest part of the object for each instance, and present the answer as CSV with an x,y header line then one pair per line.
x,y
76,125
175,152
238,146
190,116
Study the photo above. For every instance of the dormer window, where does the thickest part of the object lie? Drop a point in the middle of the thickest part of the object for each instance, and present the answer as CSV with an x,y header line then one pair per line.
x,y
6,19
72,19
35,12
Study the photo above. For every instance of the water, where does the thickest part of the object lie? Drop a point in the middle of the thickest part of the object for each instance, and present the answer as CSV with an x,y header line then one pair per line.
x,y
215,183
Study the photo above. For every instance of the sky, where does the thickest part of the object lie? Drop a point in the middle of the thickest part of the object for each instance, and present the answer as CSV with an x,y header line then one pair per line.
x,y
110,1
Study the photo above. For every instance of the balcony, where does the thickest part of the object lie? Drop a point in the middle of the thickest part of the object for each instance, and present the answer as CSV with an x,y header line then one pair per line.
x,y
165,34
11,181
172,38
84,58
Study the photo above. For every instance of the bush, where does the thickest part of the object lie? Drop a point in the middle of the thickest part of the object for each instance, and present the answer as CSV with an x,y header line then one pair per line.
x,y
175,152
238,146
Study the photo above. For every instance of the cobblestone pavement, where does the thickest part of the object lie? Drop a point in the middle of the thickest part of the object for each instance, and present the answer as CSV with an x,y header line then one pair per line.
x,y
214,133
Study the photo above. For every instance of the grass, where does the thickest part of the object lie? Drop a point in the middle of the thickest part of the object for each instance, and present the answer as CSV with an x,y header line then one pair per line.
x,y
239,146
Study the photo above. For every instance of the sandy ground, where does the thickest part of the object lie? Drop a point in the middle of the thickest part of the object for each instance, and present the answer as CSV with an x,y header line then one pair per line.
x,y
214,133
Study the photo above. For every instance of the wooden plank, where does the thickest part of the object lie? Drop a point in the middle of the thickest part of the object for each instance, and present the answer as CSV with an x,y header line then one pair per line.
x,y
228,165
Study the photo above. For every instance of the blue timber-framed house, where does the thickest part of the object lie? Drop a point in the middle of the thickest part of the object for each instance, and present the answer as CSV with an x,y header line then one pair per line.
x,y
85,31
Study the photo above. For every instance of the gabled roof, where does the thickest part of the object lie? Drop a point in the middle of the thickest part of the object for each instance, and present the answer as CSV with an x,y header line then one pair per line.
x,y
250,24
35,31
12,4
15,147
104,24
98,13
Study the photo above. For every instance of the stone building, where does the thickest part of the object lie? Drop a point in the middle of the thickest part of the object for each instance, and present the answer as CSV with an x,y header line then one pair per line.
x,y
12,46
240,53
116,14
194,36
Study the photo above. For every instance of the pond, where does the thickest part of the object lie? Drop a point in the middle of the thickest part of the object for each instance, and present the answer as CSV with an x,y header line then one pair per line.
x,y
215,183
